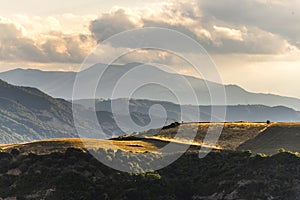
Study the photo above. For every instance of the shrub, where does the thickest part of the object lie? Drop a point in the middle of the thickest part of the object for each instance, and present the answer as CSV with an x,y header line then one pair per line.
x,y
282,150
15,152
262,155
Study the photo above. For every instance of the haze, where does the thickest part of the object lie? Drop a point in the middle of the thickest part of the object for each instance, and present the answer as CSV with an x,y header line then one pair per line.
x,y
254,43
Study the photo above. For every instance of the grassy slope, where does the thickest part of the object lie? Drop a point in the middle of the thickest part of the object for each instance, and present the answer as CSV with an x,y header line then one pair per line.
x,y
53,145
278,135
258,137
64,173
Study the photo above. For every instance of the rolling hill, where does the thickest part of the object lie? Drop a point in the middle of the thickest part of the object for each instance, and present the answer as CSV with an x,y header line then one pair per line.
x,y
251,113
27,114
75,174
233,134
51,169
275,137
257,137
60,85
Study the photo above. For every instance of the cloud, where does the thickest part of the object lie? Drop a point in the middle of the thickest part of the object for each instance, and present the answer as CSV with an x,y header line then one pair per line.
x,y
250,40
228,33
52,46
274,16
221,27
111,23
14,47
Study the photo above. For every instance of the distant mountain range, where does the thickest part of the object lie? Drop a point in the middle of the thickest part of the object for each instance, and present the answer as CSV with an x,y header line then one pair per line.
x,y
27,114
252,113
60,85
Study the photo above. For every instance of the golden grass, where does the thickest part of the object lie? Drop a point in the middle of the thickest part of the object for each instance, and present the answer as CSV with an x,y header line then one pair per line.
x,y
233,135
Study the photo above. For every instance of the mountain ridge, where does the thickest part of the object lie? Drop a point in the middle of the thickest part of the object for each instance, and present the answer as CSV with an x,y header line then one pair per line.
x,y
27,114
60,85
253,113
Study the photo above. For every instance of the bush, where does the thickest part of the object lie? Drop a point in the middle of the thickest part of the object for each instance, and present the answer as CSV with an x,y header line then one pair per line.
x,y
15,152
262,155
282,150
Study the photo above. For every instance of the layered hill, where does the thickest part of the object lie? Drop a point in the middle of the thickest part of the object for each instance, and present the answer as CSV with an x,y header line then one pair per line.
x,y
277,136
60,85
232,137
257,137
27,114
190,113
52,169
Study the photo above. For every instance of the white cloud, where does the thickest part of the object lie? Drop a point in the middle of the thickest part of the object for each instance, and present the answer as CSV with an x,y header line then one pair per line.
x,y
112,23
212,25
229,33
42,40
274,16
221,27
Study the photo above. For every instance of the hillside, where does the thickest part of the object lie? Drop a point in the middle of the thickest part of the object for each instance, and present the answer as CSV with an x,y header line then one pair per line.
x,y
27,114
286,136
232,136
75,174
251,113
51,169
60,85
257,137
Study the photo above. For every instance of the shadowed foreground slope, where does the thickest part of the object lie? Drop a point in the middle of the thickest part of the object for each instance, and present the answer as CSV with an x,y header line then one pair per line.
x,y
63,169
279,135
75,174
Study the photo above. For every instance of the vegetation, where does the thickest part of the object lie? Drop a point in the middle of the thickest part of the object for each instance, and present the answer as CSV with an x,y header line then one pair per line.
x,y
274,137
27,114
75,174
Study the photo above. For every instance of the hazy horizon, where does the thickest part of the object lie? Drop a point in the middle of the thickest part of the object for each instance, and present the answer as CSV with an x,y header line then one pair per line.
x,y
250,42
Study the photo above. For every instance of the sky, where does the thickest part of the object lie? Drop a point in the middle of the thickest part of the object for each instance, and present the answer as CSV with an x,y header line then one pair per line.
x,y
254,43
